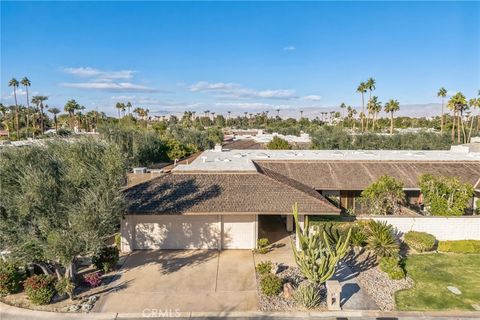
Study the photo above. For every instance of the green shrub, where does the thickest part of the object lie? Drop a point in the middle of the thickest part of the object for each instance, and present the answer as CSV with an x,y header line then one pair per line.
x,y
271,285
381,240
392,267
460,246
358,237
65,286
10,277
262,245
118,241
264,267
419,241
40,289
106,259
308,295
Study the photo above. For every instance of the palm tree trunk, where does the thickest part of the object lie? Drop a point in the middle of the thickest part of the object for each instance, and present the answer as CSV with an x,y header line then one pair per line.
x,y
453,126
458,128
471,128
28,109
17,122
363,110
441,120
41,118
463,128
56,123
391,123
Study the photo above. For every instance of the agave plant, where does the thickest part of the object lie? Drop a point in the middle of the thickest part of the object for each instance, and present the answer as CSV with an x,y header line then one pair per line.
x,y
381,239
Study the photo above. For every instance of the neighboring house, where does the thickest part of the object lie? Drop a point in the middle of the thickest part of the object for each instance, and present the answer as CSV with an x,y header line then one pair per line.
x,y
220,199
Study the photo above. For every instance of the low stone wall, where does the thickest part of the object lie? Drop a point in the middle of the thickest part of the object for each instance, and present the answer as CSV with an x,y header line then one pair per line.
x,y
443,228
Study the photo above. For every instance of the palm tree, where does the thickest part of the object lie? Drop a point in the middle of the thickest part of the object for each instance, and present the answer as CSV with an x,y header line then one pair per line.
x,y
229,112
3,112
71,107
351,115
55,111
26,83
374,106
301,114
38,101
14,83
120,106
442,92
457,104
343,106
129,106
391,107
278,112
370,85
362,88
474,103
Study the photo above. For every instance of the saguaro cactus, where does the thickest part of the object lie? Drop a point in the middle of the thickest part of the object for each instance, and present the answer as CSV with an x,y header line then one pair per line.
x,y
317,259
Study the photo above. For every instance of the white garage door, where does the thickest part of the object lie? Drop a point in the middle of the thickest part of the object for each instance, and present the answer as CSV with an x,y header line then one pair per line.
x,y
177,232
238,232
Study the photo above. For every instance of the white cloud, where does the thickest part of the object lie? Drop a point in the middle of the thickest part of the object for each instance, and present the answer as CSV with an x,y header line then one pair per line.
x,y
206,86
236,91
289,48
88,72
102,80
109,86
312,97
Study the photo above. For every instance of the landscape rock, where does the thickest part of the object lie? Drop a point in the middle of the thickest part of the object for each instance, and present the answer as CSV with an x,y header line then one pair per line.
x,y
454,290
288,290
93,299
74,308
276,268
86,307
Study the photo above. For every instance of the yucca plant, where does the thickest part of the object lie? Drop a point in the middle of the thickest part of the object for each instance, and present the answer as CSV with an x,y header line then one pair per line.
x,y
317,257
381,239
308,295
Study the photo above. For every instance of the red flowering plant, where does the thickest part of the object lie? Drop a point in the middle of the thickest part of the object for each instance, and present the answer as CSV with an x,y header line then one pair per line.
x,y
40,289
93,279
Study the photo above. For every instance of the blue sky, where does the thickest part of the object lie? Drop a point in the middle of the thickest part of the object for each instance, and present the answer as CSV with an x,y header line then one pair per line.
x,y
249,56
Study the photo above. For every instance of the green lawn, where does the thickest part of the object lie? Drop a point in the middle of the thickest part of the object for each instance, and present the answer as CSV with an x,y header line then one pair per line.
x,y
433,273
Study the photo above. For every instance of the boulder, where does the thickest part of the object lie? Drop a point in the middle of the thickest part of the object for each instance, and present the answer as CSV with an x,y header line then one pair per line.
x,y
288,290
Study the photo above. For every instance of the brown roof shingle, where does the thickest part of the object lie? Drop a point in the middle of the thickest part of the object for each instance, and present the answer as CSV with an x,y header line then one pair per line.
x,y
222,193
357,175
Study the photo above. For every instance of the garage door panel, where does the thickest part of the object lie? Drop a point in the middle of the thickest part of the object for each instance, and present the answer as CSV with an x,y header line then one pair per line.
x,y
238,232
177,232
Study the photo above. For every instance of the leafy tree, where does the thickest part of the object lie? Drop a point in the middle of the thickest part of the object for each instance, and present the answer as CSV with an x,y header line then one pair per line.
x,y
59,201
385,196
445,196
278,143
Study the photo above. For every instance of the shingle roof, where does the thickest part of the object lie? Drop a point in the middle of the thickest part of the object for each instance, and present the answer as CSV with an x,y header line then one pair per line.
x,y
222,193
357,175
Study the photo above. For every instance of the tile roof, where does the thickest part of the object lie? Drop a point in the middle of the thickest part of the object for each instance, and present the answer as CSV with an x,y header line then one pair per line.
x,y
357,175
223,193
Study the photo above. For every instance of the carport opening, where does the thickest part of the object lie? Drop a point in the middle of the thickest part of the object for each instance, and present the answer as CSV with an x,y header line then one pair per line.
x,y
273,227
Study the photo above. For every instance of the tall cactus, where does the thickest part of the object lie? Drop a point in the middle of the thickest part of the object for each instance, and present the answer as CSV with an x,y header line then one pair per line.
x,y
317,258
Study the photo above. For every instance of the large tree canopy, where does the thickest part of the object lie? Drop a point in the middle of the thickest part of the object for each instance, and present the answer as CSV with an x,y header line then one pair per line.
x,y
59,200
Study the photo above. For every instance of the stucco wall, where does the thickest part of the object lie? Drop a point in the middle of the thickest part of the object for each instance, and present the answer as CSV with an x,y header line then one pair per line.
x,y
443,228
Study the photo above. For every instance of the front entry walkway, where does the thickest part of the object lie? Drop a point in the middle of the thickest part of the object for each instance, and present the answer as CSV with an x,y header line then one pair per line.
x,y
184,281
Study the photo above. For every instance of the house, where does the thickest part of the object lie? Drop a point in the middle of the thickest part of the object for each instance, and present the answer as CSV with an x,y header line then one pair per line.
x,y
222,198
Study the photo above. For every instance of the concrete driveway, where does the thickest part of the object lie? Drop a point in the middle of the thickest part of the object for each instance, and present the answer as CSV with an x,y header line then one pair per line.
x,y
183,281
